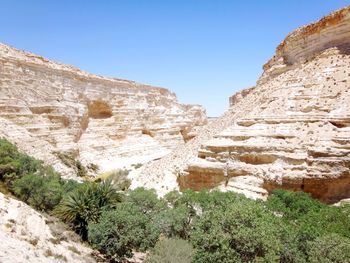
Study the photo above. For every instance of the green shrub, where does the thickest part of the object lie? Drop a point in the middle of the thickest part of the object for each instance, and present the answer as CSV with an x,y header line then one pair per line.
x,y
330,248
14,165
175,222
244,232
293,205
86,203
41,192
146,200
171,250
326,221
120,231
70,185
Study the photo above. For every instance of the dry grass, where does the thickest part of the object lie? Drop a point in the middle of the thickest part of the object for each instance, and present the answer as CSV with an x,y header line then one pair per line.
x,y
74,250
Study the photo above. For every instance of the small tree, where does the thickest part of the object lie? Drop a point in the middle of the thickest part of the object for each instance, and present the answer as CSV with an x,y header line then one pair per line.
x,y
243,232
120,231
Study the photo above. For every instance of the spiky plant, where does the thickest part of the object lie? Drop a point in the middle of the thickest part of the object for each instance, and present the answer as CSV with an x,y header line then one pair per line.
x,y
86,203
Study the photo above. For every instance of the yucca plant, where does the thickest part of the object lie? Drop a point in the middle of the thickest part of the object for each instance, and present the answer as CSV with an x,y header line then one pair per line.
x,y
86,203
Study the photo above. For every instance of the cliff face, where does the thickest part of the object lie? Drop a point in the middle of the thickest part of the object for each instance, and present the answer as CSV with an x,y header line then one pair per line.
x,y
290,131
308,41
52,110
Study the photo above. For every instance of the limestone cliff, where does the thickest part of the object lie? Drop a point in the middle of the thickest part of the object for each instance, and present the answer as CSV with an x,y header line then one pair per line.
x,y
306,42
290,131
56,112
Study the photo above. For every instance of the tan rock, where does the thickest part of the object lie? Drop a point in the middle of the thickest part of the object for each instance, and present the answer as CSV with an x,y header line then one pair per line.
x,y
290,131
26,237
49,108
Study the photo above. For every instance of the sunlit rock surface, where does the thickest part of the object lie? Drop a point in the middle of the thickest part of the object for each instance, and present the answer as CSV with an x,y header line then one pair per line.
x,y
48,108
292,130
27,236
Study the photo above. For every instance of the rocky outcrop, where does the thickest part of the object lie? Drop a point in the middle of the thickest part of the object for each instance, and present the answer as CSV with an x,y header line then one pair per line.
x,y
234,99
290,131
52,110
308,41
27,236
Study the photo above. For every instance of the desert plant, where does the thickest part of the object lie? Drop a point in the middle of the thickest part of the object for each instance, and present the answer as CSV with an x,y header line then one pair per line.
x,y
41,192
119,178
70,160
86,203
121,230
244,232
330,248
293,205
171,250
146,200
81,170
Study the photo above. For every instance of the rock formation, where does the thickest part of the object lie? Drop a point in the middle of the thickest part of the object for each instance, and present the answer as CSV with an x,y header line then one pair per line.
x,y
27,236
290,131
58,113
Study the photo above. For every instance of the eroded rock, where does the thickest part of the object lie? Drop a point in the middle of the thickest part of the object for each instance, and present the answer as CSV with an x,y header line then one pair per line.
x,y
292,130
48,108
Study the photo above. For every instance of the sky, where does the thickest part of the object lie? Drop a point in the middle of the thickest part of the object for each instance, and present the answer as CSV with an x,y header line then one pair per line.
x,y
202,50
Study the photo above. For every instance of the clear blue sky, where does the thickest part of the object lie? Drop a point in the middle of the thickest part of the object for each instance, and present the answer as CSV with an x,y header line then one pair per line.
x,y
202,50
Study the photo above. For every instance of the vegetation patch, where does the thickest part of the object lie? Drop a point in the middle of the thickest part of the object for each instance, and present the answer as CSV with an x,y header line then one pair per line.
x,y
204,226
69,160
119,178
172,250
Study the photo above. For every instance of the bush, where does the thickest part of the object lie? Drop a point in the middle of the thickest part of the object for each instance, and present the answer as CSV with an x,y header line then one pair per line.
x,y
330,248
121,230
171,250
14,165
43,193
244,232
175,222
293,205
326,221
146,200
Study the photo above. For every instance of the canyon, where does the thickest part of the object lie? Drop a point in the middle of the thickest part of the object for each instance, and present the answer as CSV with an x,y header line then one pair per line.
x,y
65,116
291,131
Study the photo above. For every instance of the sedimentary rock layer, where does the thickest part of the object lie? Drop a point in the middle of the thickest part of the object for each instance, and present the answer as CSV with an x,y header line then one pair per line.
x,y
51,110
290,131
307,41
